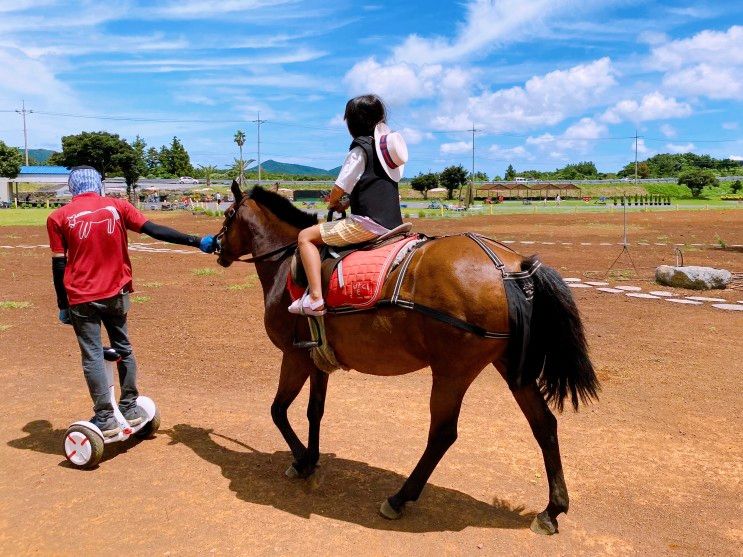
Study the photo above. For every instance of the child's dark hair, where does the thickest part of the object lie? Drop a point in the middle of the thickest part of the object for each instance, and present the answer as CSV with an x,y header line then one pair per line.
x,y
363,113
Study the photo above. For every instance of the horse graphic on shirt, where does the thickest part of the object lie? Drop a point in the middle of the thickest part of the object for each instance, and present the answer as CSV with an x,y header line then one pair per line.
x,y
84,220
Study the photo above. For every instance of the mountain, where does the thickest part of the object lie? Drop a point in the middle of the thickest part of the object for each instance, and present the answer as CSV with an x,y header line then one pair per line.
x,y
39,155
276,167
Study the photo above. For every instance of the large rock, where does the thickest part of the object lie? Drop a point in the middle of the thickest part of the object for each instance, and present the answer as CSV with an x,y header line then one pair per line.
x,y
695,278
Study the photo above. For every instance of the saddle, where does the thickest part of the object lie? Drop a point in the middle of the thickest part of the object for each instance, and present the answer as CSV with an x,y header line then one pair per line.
x,y
353,276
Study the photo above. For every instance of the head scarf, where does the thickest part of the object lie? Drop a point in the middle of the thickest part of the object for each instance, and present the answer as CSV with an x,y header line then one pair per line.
x,y
84,179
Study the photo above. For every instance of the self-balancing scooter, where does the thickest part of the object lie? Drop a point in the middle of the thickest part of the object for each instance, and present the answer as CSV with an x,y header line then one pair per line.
x,y
84,441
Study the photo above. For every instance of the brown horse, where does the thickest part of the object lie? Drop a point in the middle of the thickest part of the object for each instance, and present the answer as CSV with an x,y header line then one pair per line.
x,y
452,274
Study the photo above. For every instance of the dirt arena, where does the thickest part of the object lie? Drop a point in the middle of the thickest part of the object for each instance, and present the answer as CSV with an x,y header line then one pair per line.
x,y
653,468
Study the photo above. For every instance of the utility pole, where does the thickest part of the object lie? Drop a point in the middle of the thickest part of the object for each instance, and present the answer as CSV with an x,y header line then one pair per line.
x,y
635,156
471,192
23,113
259,122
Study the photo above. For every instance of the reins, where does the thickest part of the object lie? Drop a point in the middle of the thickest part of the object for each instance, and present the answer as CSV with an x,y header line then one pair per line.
x,y
285,250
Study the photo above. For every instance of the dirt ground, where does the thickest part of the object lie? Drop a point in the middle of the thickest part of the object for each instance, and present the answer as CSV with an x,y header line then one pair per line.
x,y
653,468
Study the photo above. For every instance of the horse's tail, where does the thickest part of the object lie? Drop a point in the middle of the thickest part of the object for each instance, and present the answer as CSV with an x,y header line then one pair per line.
x,y
557,331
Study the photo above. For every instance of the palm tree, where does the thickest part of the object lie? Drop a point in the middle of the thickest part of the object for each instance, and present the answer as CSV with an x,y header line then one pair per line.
x,y
208,171
240,140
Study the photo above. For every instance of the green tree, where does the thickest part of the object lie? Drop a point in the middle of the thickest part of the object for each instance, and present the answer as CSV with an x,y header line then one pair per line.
x,y
510,173
736,186
240,140
10,161
175,159
152,160
480,176
208,170
697,179
451,178
424,182
131,166
96,149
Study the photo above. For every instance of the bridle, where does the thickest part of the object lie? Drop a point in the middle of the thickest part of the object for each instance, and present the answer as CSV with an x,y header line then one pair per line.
x,y
229,216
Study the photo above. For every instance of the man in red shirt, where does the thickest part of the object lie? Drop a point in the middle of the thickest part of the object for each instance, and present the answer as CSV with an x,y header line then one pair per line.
x,y
93,278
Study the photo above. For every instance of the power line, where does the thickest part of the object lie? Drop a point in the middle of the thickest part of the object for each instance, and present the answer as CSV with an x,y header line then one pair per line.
x,y
692,140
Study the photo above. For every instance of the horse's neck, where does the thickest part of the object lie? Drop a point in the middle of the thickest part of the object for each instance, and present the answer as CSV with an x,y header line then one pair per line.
x,y
268,236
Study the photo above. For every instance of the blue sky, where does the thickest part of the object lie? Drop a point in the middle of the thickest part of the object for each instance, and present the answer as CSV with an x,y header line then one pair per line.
x,y
546,81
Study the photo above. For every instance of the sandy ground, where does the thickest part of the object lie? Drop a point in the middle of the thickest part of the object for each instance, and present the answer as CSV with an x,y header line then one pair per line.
x,y
654,468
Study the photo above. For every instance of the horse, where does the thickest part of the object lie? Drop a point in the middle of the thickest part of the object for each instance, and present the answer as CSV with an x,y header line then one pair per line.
x,y
451,273
86,220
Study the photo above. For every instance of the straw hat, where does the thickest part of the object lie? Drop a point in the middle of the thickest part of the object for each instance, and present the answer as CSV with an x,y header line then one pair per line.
x,y
391,150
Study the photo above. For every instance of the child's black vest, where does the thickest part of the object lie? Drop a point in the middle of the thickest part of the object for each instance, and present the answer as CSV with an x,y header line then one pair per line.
x,y
375,194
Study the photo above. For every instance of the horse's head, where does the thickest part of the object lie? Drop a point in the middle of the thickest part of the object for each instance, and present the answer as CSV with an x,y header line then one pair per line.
x,y
261,221
235,239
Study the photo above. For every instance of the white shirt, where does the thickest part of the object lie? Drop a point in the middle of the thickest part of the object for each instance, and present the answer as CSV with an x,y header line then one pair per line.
x,y
351,171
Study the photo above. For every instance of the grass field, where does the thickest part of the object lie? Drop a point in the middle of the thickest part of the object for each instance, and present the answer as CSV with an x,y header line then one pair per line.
x,y
37,217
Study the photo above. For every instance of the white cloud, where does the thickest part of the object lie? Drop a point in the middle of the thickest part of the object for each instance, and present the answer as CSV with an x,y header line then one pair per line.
x,y
200,9
736,158
710,64
34,81
653,106
715,82
577,138
487,24
413,136
400,83
543,100
668,130
456,147
677,148
652,37
192,64
510,153
730,125
642,149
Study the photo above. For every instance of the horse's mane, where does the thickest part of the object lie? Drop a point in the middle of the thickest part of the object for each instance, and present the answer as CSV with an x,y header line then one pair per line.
x,y
282,208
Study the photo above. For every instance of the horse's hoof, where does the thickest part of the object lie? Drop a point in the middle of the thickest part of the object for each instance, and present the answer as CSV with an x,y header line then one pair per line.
x,y
542,524
388,512
291,472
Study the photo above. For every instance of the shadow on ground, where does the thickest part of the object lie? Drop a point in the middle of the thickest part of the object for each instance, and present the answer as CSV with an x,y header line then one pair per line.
x,y
43,438
341,489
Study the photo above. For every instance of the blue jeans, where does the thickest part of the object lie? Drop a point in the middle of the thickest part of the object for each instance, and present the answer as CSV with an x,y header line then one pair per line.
x,y
86,320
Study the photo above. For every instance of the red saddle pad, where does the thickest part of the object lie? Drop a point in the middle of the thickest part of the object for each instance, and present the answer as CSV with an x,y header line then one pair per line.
x,y
357,280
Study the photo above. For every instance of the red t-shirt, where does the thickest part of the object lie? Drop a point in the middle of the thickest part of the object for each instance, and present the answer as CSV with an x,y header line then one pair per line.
x,y
91,231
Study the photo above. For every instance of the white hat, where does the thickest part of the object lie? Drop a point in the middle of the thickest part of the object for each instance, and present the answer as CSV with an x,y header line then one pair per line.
x,y
391,150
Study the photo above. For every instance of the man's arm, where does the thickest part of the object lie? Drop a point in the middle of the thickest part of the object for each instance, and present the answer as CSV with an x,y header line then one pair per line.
x,y
59,262
206,244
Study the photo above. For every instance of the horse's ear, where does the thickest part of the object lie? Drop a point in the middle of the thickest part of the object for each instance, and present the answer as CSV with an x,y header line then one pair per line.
x,y
236,191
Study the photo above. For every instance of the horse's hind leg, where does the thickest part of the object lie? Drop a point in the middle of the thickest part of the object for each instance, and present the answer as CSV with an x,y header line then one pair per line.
x,y
446,401
544,427
295,369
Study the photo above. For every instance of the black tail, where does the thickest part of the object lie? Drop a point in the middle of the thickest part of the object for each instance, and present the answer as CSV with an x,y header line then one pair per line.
x,y
558,331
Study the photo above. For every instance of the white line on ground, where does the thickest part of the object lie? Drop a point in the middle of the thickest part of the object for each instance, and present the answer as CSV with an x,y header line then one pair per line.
x,y
706,299
729,307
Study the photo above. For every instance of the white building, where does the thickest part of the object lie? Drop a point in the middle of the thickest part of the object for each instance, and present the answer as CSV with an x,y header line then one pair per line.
x,y
9,187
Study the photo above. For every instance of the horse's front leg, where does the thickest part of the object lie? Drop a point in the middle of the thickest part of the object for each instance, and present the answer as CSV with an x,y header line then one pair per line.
x,y
295,369
305,466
